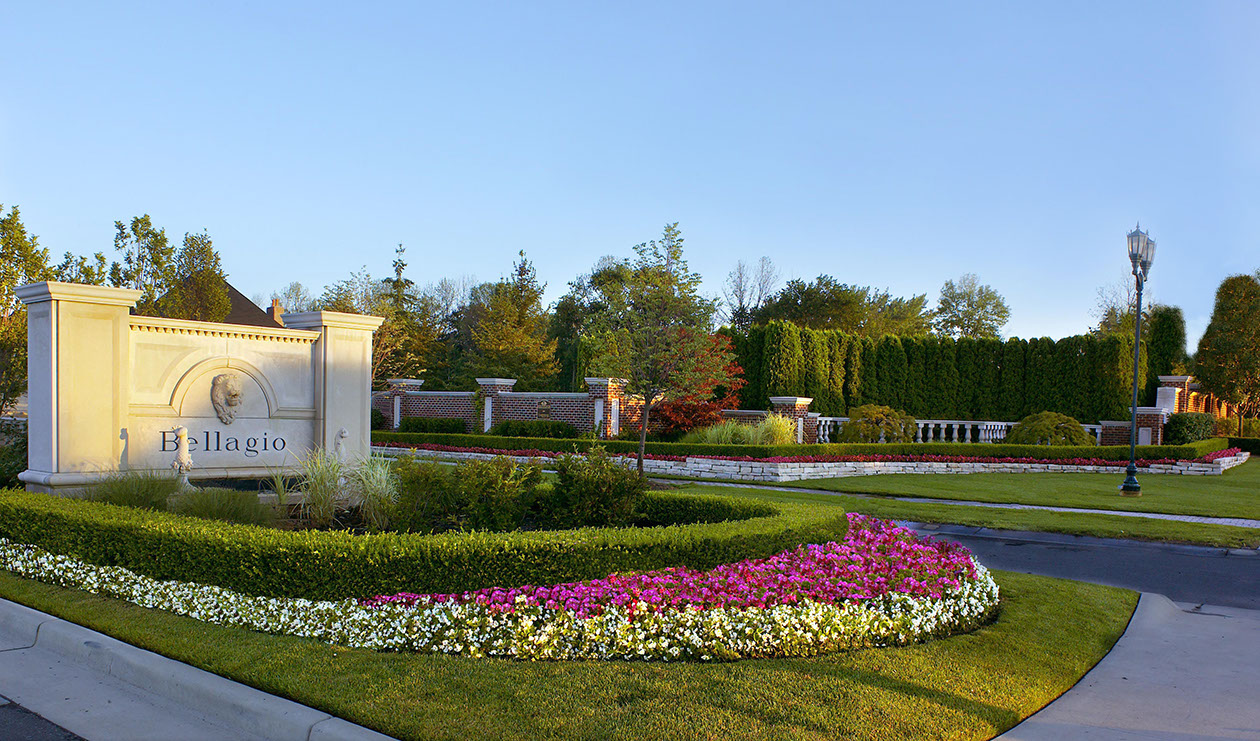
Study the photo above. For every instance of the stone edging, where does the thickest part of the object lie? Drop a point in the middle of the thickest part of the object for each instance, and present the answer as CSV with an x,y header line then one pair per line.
x,y
717,468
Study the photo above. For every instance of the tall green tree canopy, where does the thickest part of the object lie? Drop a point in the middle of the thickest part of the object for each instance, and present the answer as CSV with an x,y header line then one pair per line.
x,y
969,309
826,303
1227,363
22,261
510,338
660,331
198,286
148,263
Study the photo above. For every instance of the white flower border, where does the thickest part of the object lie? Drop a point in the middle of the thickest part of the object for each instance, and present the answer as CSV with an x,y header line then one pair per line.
x,y
805,629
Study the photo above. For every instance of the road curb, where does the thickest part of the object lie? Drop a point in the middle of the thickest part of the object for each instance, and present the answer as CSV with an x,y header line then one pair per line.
x,y
231,704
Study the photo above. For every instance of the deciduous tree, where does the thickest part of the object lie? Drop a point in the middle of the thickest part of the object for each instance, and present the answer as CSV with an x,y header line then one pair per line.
x,y
148,263
1227,363
969,309
22,261
662,325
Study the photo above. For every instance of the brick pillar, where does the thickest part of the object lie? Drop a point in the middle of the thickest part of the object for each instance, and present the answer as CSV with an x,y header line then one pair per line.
x,y
398,388
606,405
797,408
490,390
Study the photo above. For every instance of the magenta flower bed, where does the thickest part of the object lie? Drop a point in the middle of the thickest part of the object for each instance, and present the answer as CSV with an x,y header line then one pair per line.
x,y
870,458
876,558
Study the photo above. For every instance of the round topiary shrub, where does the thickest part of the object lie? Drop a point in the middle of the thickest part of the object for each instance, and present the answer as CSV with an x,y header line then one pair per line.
x,y
878,424
1049,428
1189,427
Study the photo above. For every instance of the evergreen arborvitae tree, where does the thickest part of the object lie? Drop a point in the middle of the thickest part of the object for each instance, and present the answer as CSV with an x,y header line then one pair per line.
x,y
1164,334
891,358
945,405
782,365
813,365
1070,395
1039,376
989,375
916,387
837,358
853,373
1011,400
753,395
868,389
966,350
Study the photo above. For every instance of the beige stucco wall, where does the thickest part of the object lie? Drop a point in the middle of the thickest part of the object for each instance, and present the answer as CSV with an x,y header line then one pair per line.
x,y
106,388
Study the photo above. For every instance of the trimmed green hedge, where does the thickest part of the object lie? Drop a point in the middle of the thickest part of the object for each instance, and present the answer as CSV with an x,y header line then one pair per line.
x,y
444,425
552,428
999,450
337,565
1246,444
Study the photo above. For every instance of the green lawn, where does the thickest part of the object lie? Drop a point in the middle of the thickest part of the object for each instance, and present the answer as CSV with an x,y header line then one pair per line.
x,y
1072,523
1049,633
1236,493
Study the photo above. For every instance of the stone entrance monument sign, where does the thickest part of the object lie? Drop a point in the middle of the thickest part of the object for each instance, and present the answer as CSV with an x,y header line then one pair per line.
x,y
109,389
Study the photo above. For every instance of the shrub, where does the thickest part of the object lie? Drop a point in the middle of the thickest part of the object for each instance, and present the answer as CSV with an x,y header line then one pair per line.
x,y
594,491
1226,426
339,564
1246,444
228,505
773,429
428,500
547,428
140,489
12,453
380,421
873,424
1189,427
376,488
432,424
493,495
1251,427
323,479
1049,428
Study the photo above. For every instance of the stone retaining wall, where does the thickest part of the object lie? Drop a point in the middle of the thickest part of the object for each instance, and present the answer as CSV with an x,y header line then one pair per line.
x,y
716,468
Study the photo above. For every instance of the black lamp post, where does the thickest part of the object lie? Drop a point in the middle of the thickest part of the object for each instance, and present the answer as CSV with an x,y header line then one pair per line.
x,y
1141,254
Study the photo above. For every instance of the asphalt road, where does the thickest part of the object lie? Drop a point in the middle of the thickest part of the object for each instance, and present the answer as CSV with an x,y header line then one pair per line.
x,y
1194,574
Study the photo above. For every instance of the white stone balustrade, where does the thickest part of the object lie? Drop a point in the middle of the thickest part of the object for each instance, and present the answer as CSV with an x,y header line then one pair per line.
x,y
943,430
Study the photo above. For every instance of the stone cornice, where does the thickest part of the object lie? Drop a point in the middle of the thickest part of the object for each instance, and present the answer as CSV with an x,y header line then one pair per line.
x,y
217,329
51,290
317,319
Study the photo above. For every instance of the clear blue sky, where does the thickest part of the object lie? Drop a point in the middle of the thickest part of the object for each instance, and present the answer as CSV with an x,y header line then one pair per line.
x,y
896,145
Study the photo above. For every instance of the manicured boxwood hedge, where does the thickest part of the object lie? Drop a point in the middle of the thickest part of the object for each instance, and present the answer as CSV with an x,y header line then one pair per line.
x,y
1246,444
1188,427
336,565
553,428
1105,452
432,424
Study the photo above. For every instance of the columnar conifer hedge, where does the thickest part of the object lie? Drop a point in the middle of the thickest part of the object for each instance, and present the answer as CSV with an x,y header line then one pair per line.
x,y
1085,377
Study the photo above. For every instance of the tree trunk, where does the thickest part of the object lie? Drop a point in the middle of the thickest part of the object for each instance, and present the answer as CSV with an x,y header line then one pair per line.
x,y
643,428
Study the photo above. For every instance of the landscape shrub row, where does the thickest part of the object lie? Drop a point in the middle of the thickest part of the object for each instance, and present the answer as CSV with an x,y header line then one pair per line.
x,y
1085,377
553,428
1246,444
432,424
338,564
998,450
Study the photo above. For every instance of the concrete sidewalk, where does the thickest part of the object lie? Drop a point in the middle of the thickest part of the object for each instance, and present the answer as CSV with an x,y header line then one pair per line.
x,y
100,688
1178,672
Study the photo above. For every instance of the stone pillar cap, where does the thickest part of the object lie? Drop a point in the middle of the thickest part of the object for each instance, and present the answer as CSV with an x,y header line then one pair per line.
x,y
796,400
52,290
603,381
1175,379
496,381
313,319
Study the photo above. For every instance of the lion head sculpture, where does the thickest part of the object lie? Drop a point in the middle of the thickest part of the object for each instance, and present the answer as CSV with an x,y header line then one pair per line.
x,y
225,395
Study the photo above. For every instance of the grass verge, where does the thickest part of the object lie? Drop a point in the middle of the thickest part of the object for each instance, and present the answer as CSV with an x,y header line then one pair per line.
x,y
1069,523
1236,493
1049,633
